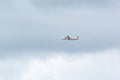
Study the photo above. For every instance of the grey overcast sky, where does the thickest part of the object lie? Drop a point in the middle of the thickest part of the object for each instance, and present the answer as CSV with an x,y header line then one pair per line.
x,y
31,47
40,24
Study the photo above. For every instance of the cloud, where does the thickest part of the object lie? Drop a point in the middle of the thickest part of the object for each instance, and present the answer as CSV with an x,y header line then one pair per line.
x,y
68,3
24,26
26,29
102,65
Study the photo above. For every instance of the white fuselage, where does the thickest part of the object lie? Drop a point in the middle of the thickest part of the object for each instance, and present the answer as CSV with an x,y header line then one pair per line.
x,y
66,38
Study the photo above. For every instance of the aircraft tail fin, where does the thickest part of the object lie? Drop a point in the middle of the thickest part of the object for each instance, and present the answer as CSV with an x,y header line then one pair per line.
x,y
68,37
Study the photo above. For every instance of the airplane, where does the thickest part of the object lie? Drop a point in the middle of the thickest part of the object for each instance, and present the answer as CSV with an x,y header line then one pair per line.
x,y
69,38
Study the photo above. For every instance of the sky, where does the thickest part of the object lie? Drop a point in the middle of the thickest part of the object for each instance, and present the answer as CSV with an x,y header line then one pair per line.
x,y
31,45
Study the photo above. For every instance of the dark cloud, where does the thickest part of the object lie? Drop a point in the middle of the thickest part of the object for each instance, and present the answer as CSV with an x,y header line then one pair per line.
x,y
70,3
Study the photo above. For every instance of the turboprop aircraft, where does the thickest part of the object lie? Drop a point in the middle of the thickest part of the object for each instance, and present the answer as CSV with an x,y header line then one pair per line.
x,y
69,38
